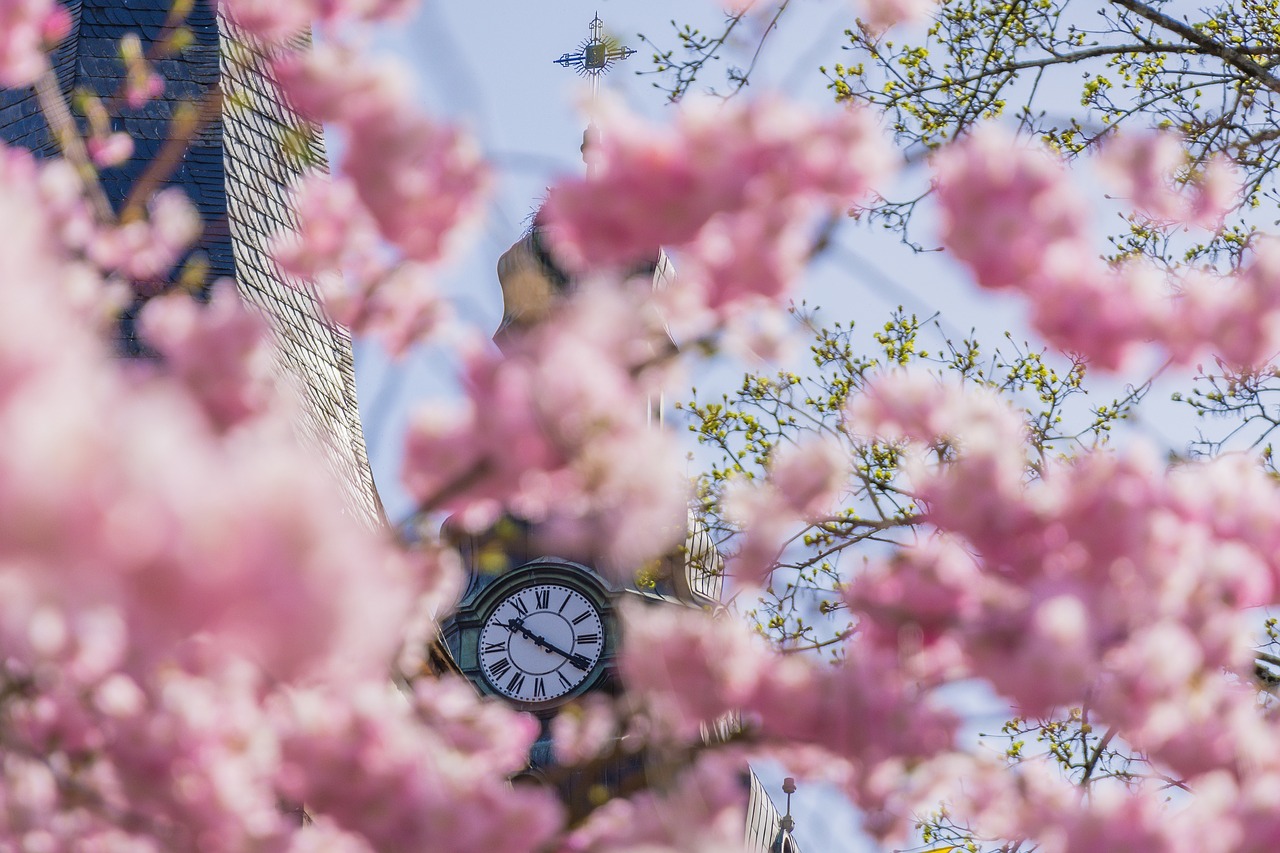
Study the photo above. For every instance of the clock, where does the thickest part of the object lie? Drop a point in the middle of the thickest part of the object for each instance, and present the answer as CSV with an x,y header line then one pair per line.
x,y
540,642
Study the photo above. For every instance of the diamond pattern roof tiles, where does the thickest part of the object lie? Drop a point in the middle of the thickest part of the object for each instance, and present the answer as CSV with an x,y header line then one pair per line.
x,y
237,173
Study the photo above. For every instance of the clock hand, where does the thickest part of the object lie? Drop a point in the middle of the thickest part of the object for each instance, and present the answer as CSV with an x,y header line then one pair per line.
x,y
577,660
517,625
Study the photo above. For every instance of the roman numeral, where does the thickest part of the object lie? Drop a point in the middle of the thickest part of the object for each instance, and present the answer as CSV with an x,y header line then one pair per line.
x,y
565,603
520,606
501,667
543,598
490,648
567,684
539,691
588,639
583,615
516,682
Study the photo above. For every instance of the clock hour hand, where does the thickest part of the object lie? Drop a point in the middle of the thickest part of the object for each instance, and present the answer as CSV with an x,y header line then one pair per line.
x,y
581,662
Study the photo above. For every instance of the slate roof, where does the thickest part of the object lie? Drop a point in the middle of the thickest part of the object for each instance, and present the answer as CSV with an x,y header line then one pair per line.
x,y
236,172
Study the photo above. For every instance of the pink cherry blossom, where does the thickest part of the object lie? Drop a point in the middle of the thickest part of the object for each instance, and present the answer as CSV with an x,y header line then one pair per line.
x,y
110,150
934,587
97,512
141,82
276,22
27,29
1215,192
584,729
1143,168
365,288
810,475
196,634
749,258
703,811
1104,314
880,15
803,484
146,250
1131,601
756,337
555,431
1236,318
199,764
734,184
146,541
401,307
334,83
322,835
766,525
691,669
1013,216
220,351
422,182
334,233
413,779
1011,213
59,191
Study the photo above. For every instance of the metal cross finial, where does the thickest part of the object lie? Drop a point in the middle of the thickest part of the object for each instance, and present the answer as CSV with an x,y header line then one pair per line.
x,y
595,55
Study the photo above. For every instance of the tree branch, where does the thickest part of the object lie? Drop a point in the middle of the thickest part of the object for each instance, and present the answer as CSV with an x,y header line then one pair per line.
x,y
63,127
1078,56
1233,57
188,121
1097,754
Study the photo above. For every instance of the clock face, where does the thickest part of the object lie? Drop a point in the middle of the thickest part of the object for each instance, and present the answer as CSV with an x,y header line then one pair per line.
x,y
540,642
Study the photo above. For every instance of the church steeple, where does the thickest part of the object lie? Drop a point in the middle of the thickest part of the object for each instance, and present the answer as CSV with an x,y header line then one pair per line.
x,y
246,149
595,57
530,277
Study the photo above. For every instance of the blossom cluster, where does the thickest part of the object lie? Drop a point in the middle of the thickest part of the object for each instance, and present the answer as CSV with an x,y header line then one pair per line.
x,y
1108,582
27,29
195,629
1143,167
732,189
1017,219
803,485
408,190
555,430
278,22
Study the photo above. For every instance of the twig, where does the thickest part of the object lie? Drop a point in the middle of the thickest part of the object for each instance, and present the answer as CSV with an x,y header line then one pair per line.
x,y
185,126
63,127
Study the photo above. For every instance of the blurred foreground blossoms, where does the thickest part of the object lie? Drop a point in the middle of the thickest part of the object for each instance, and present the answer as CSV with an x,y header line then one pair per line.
x,y
198,639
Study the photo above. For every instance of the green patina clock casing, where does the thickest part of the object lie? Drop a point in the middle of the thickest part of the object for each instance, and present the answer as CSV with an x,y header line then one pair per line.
x,y
538,635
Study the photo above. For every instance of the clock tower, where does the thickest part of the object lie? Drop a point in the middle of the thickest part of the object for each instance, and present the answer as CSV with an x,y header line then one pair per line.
x,y
539,631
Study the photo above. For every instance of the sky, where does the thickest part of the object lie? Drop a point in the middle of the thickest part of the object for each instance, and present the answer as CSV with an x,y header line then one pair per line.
x,y
489,65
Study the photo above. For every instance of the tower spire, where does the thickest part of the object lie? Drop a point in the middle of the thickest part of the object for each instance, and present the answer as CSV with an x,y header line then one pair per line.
x,y
596,55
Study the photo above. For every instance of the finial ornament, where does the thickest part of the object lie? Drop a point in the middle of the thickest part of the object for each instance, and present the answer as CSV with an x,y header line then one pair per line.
x,y
788,787
596,55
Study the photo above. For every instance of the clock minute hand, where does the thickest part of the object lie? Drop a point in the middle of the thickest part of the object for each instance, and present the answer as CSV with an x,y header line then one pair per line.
x,y
577,660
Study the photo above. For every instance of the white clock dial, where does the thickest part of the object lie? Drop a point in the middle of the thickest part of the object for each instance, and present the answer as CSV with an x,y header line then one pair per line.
x,y
540,642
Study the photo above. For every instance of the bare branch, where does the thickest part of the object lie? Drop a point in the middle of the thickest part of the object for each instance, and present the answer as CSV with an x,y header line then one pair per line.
x,y
1206,44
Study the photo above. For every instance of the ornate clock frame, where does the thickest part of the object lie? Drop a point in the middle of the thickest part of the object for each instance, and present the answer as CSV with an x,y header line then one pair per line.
x,y
486,593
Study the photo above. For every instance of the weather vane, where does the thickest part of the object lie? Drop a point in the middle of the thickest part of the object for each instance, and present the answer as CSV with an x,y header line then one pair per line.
x,y
595,55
